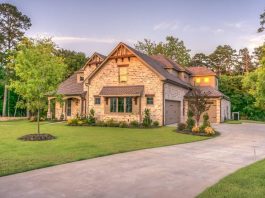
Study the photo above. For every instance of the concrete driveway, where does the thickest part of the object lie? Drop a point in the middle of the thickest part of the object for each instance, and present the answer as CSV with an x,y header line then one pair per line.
x,y
174,171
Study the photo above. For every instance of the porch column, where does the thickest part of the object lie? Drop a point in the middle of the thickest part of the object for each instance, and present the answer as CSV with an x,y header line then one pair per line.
x,y
49,109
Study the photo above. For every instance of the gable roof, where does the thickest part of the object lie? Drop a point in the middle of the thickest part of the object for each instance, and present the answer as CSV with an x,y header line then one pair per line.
x,y
209,91
201,71
169,64
152,63
70,86
102,57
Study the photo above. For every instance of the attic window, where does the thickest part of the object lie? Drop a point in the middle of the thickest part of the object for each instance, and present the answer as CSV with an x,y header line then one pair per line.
x,y
123,73
81,78
206,80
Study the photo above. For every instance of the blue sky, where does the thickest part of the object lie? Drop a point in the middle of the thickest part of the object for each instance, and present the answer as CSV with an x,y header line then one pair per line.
x,y
90,26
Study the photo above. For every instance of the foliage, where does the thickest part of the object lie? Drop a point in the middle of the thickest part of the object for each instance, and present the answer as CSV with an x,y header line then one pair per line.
x,y
195,129
134,124
254,83
155,124
206,122
123,124
245,62
38,72
147,121
223,59
200,59
209,131
181,126
190,121
12,27
91,118
112,123
262,22
198,103
73,60
173,48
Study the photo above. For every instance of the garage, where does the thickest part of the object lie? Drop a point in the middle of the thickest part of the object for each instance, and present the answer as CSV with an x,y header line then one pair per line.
x,y
172,112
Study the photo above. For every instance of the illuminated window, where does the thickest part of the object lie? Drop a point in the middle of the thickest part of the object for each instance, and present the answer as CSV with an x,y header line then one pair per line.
x,y
123,71
198,80
206,80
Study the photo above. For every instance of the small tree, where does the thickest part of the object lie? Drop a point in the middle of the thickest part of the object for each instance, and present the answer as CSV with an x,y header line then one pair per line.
x,y
147,121
198,103
91,117
38,72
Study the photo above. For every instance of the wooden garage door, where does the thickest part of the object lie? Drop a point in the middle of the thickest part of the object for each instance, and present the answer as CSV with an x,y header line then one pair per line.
x,y
172,112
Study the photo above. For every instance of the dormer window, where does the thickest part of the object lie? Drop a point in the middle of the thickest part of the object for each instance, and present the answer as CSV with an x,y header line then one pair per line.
x,y
198,80
81,78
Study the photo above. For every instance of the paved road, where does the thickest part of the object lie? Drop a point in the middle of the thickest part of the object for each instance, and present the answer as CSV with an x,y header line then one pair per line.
x,y
174,171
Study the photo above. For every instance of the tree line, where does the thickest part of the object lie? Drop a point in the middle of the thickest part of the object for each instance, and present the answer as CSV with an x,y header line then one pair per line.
x,y
13,25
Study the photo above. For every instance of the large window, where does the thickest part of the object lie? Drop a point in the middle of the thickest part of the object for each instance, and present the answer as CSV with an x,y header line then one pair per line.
x,y
129,104
113,104
68,107
121,104
123,73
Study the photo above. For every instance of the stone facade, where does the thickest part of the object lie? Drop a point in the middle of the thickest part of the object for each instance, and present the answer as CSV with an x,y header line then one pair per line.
x,y
138,74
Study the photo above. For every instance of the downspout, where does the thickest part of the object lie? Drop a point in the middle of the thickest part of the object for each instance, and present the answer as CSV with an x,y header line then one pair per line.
x,y
163,104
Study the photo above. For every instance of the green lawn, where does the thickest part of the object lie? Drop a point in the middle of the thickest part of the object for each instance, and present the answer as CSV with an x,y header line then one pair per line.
x,y
248,182
75,143
243,121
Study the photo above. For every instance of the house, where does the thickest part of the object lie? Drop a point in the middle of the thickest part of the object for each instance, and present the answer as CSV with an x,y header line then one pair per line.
x,y
126,82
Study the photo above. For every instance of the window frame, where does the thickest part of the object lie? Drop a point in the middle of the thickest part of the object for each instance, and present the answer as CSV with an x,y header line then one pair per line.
x,y
97,100
81,78
148,102
122,105
69,108
113,101
125,75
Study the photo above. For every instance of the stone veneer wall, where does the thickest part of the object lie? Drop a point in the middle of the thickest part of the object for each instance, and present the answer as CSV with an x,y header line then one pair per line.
x,y
138,74
225,110
173,92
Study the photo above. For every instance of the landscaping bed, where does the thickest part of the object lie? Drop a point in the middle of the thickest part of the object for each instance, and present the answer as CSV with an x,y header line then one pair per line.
x,y
37,137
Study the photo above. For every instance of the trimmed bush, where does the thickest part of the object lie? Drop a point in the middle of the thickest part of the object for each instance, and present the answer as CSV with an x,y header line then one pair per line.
x,y
181,126
195,129
112,123
147,121
155,124
134,124
190,121
91,118
123,124
101,123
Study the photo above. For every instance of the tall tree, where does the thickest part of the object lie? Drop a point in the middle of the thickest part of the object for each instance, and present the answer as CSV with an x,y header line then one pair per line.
x,y
12,28
38,71
172,48
262,22
258,54
73,60
200,59
245,62
224,60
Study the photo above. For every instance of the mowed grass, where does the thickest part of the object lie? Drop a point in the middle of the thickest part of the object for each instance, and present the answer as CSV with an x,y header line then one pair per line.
x,y
248,182
75,143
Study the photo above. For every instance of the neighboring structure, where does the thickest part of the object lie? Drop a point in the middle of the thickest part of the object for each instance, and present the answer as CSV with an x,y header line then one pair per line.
x,y
121,85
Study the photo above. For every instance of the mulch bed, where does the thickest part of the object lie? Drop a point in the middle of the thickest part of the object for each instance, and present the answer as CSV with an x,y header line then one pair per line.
x,y
37,137
198,134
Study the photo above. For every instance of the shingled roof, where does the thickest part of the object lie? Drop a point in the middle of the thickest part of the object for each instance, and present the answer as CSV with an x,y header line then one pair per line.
x,y
209,92
70,86
159,68
201,71
136,90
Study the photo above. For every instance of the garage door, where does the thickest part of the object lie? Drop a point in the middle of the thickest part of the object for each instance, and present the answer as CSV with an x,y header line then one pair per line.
x,y
172,112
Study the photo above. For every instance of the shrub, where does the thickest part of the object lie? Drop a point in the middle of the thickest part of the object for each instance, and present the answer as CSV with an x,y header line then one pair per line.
x,y
69,121
209,131
206,122
72,122
195,129
181,126
91,118
190,121
147,121
134,124
80,122
155,124
123,124
101,123
112,123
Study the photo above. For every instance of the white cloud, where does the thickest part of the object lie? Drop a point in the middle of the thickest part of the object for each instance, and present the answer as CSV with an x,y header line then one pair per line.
x,y
166,26
238,25
253,41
